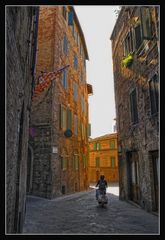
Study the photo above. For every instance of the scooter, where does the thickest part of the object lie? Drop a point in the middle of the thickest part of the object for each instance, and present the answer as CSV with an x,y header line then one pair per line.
x,y
101,197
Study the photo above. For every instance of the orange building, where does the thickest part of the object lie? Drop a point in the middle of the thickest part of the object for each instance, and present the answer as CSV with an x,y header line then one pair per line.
x,y
60,160
103,158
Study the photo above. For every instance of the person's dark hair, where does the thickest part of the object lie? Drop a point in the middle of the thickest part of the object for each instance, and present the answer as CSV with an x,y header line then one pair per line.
x,y
102,177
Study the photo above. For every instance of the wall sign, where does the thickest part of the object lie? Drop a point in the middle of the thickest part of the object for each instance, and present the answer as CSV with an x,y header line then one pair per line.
x,y
68,133
54,150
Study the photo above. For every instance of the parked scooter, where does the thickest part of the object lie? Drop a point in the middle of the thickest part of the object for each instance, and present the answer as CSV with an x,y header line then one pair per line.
x,y
101,197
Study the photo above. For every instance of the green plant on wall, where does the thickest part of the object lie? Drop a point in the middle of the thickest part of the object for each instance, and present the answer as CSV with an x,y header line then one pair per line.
x,y
127,61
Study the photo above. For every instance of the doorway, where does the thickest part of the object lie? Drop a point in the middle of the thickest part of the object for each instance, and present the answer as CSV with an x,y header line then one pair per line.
x,y
133,176
29,170
154,176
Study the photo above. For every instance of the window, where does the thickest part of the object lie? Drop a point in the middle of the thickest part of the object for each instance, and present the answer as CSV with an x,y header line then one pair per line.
x,y
75,62
75,125
98,146
94,146
128,43
63,117
82,127
97,162
75,91
83,104
138,37
65,79
76,162
65,45
112,144
85,161
89,129
70,18
64,12
73,31
81,76
112,162
69,119
133,104
153,90
146,23
63,163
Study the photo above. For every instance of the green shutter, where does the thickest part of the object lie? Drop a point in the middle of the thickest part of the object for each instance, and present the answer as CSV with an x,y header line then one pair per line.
x,y
61,116
89,129
95,146
69,119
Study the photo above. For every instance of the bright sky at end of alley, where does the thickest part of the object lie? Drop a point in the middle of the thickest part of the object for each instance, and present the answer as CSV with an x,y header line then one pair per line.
x,y
97,23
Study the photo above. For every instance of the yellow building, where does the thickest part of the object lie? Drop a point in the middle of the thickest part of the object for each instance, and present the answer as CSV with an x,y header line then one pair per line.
x,y
103,158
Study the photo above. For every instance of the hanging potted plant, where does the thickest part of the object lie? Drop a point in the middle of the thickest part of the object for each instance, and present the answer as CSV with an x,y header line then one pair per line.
x,y
127,61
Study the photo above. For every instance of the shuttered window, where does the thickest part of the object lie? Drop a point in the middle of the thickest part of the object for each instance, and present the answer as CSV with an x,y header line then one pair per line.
x,y
94,146
63,117
138,36
89,129
85,161
133,104
75,91
69,119
76,162
65,79
75,124
128,43
82,127
64,12
63,163
153,90
75,62
70,18
112,144
65,44
146,23
98,146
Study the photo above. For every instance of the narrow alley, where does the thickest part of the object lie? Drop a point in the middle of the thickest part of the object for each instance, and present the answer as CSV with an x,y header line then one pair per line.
x,y
80,213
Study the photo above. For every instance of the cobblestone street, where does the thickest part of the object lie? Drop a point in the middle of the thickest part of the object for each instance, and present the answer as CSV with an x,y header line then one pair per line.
x,y
80,214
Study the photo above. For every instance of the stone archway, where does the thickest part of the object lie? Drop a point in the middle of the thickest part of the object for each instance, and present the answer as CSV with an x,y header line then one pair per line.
x,y
29,170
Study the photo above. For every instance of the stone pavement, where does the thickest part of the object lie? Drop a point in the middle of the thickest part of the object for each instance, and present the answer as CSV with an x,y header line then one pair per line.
x,y
80,213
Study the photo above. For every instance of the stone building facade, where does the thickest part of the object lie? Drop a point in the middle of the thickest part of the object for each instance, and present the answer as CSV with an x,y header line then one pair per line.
x,y
103,158
60,161
135,49
21,34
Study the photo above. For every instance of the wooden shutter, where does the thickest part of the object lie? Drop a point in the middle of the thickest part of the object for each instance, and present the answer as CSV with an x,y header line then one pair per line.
x,y
69,118
89,129
61,116
95,146
146,23
138,37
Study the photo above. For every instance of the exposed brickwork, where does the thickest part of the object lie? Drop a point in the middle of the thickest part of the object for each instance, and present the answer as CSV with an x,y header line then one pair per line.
x,y
50,57
19,59
143,137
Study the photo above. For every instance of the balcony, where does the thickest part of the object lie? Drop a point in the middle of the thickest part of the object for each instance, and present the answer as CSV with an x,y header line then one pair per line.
x,y
89,89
